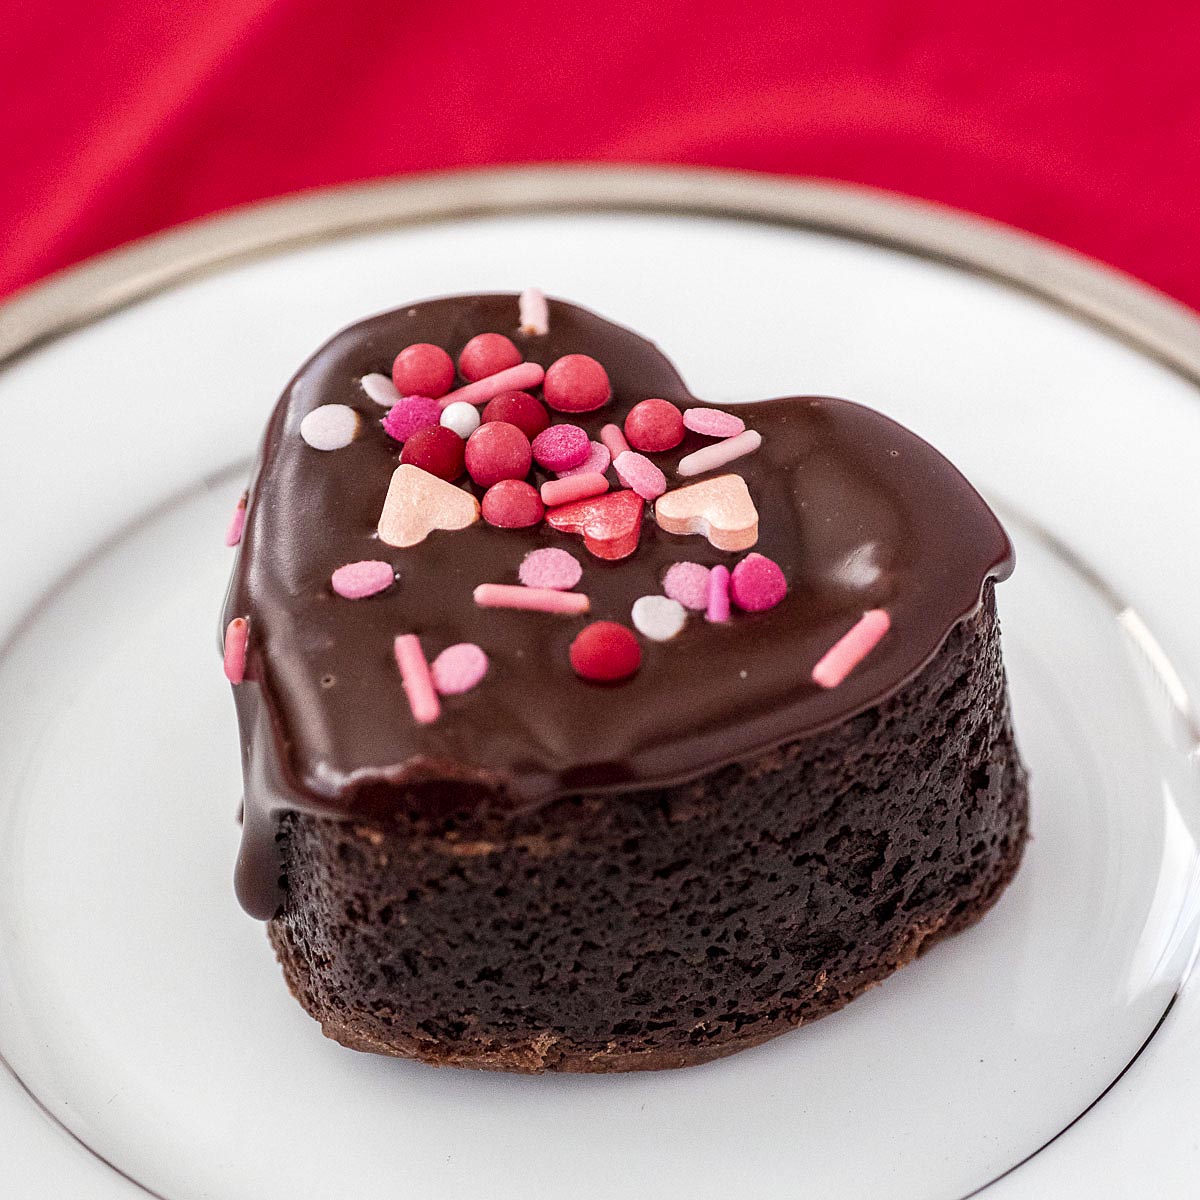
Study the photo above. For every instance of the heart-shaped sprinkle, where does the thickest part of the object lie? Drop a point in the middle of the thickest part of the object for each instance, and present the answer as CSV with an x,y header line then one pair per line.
x,y
330,427
357,580
610,525
687,582
636,471
757,583
417,503
721,509
550,567
658,617
712,422
458,668
597,462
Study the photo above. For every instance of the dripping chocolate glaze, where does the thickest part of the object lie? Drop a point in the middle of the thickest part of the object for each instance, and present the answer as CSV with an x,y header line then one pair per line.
x,y
857,511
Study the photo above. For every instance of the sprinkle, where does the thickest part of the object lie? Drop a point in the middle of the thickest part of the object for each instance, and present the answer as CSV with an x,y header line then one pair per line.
x,y
550,568
576,383
605,652
713,422
637,472
576,487
721,509
851,648
380,389
515,379
687,582
435,449
757,583
708,458
423,370
547,600
521,409
654,426
535,312
237,637
561,447
596,463
458,668
418,683
237,522
486,354
611,525
497,451
512,504
417,503
614,439
357,580
410,415
658,617
462,418
330,427
718,595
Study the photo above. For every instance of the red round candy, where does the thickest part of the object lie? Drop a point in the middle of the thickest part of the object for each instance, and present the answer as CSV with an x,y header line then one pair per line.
x,y
605,652
437,450
576,383
653,426
497,451
561,447
521,409
423,370
485,354
512,504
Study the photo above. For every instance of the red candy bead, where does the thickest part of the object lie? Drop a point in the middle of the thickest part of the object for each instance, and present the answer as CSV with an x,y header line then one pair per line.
x,y
561,447
512,504
423,370
485,354
653,426
521,409
497,451
605,652
576,383
437,450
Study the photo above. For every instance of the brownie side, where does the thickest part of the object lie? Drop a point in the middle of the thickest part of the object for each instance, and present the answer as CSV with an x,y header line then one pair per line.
x,y
668,927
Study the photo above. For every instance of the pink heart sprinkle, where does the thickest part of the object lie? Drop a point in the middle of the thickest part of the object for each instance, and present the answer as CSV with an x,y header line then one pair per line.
x,y
597,462
640,475
550,568
357,580
757,583
458,668
713,422
687,582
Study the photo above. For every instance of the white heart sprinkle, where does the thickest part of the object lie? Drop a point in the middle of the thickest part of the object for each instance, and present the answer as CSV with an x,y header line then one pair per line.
x,y
330,427
658,617
381,389
462,417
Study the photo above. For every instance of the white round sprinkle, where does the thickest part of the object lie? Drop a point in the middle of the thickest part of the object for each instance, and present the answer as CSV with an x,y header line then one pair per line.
x,y
658,617
381,389
330,427
462,417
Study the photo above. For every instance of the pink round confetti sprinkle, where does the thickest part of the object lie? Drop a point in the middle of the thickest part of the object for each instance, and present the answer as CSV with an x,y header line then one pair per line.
x,y
458,669
640,475
576,383
357,580
550,568
614,439
687,582
713,422
411,415
535,312
414,674
423,370
485,354
381,389
718,454
718,594
237,523
851,648
547,600
515,379
330,427
576,487
512,504
757,583
658,617
561,447
496,451
597,462
654,426
237,638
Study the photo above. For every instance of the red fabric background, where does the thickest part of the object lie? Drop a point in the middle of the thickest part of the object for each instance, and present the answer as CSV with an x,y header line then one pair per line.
x,y
1077,120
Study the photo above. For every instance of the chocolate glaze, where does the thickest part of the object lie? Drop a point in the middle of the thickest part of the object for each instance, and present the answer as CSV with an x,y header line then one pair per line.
x,y
859,513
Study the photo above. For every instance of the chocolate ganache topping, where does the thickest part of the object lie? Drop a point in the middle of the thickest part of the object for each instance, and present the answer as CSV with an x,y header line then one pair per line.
x,y
859,514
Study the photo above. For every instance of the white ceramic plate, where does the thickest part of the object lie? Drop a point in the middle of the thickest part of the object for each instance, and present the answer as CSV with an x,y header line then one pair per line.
x,y
141,1011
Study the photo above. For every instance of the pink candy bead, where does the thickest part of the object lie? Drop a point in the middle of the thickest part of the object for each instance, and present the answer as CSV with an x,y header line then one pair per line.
x,y
423,370
596,463
485,354
436,449
410,415
576,383
718,595
687,582
757,583
497,451
640,475
654,426
357,580
561,447
519,409
614,440
458,669
550,568
576,487
713,422
512,504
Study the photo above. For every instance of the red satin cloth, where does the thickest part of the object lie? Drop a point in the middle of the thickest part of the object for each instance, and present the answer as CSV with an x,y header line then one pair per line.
x,y
1076,119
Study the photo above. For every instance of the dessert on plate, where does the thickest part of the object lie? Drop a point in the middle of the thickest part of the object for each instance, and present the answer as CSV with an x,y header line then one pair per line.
x,y
588,726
